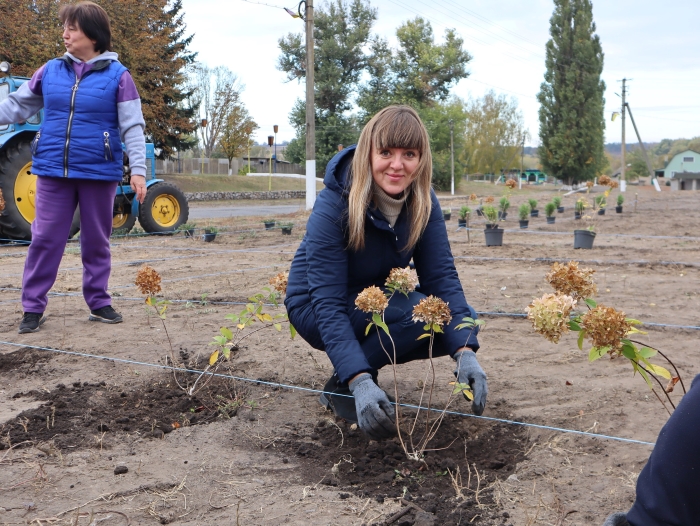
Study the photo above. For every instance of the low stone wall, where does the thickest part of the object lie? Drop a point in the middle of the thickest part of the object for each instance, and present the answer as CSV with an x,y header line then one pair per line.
x,y
230,196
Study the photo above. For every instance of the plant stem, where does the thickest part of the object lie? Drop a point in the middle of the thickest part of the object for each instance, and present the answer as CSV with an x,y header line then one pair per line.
x,y
667,359
657,381
396,385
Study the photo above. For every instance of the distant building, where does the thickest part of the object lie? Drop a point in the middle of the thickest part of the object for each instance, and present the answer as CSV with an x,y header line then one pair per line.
x,y
684,171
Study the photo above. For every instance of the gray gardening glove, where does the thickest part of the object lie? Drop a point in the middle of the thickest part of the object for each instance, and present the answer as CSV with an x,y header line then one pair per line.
x,y
468,371
375,414
616,519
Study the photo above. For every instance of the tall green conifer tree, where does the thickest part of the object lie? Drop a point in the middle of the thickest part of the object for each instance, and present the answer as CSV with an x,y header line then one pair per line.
x,y
571,96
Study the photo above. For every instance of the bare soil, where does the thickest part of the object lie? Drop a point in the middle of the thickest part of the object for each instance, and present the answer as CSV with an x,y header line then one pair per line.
x,y
85,440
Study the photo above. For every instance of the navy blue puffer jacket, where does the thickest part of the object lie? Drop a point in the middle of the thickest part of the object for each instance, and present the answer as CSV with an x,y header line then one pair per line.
x,y
328,275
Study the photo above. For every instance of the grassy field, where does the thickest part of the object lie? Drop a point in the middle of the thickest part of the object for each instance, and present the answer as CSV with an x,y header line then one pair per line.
x,y
234,183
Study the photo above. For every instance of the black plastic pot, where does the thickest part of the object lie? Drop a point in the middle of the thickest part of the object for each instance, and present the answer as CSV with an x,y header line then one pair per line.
x,y
479,212
286,230
550,220
491,226
618,209
534,213
583,238
601,212
494,237
461,222
577,215
560,209
269,225
189,232
502,216
524,223
209,236
447,216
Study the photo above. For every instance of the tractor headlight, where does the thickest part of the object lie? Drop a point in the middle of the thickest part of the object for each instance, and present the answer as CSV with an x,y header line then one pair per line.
x,y
5,67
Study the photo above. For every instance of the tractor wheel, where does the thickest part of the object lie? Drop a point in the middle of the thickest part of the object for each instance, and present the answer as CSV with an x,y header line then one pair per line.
x,y
18,185
164,209
123,223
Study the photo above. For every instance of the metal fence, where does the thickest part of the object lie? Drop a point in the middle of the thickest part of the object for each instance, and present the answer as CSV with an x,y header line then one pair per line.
x,y
221,166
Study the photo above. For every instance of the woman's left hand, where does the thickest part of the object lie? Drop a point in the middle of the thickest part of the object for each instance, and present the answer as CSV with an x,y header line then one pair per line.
x,y
138,185
469,372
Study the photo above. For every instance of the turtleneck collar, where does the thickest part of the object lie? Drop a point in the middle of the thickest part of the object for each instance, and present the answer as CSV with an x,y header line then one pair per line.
x,y
389,206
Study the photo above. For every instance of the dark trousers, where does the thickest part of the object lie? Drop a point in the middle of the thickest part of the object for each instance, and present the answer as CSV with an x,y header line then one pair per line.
x,y
668,488
56,201
398,317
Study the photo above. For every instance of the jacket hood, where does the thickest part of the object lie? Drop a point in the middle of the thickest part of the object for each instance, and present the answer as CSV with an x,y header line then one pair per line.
x,y
107,55
338,169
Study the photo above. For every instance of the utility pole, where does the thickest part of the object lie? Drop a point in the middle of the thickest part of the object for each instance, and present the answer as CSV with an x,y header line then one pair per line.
x,y
452,156
310,111
522,155
623,181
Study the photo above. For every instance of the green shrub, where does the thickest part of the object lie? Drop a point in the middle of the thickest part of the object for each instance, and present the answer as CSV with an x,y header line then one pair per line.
x,y
504,204
549,209
524,211
620,199
532,203
557,201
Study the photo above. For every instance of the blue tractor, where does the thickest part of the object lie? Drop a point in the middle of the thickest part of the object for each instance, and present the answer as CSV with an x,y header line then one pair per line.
x,y
164,209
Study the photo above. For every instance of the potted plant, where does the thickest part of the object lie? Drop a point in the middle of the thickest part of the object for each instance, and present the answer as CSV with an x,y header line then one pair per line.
x,y
549,210
620,200
557,202
463,214
503,205
269,223
187,229
578,208
286,228
210,234
600,204
533,208
493,234
523,214
446,213
584,238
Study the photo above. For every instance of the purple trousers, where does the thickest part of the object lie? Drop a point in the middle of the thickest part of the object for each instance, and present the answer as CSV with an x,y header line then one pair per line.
x,y
56,200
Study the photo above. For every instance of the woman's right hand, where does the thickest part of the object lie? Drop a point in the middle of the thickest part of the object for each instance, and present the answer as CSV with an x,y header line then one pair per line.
x,y
138,185
375,412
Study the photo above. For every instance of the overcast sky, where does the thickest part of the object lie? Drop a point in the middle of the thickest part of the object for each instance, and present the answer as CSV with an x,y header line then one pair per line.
x,y
656,44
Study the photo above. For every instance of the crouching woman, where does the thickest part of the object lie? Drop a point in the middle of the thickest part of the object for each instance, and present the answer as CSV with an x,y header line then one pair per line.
x,y
378,212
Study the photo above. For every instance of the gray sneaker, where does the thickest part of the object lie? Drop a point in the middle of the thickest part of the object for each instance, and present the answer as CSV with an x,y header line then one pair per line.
x,y
31,321
106,315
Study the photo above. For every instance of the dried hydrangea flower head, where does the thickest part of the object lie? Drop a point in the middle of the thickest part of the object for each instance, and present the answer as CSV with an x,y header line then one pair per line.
x,y
279,282
589,184
550,315
572,281
510,183
432,311
604,180
2,202
148,281
490,199
473,197
614,184
372,299
402,280
606,327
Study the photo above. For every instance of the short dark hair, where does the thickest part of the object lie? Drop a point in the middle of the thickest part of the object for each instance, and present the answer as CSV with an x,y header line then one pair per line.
x,y
92,20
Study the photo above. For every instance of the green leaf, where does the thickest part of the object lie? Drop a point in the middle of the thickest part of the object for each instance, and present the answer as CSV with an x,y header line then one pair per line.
x,y
437,328
214,356
278,327
632,321
218,340
426,335
226,352
629,351
574,326
384,327
581,336
292,331
226,333
591,303
646,352
369,326
597,352
233,317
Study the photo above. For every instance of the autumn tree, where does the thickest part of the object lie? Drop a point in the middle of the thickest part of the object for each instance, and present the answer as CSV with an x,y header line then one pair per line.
x,y
495,131
237,132
571,96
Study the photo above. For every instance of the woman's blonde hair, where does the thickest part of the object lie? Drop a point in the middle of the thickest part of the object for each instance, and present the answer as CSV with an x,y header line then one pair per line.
x,y
392,127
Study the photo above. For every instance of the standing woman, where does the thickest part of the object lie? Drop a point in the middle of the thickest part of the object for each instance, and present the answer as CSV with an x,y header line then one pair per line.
x,y
90,106
377,212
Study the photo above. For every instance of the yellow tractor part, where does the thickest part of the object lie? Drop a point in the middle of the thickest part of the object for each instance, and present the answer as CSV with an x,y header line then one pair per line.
x,y
118,220
25,193
165,210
